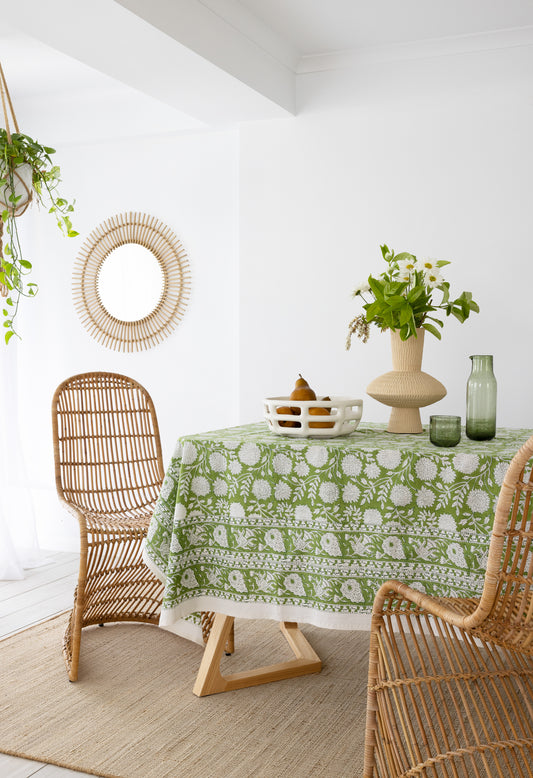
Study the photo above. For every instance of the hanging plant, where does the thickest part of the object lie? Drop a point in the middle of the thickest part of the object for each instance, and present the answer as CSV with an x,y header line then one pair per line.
x,y
27,172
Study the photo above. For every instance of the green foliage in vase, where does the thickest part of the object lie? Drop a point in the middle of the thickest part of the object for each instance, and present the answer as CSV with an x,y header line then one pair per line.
x,y
402,298
17,149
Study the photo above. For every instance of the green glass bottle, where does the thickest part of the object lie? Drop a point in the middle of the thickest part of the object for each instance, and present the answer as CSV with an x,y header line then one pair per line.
x,y
481,399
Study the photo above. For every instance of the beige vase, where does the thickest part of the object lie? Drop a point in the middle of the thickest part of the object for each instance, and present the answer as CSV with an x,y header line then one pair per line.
x,y
406,388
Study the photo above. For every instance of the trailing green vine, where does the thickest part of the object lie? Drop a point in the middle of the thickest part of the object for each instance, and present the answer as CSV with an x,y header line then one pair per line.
x,y
17,149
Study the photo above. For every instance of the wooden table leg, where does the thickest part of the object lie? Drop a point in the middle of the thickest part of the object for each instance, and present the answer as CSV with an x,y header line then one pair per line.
x,y
211,681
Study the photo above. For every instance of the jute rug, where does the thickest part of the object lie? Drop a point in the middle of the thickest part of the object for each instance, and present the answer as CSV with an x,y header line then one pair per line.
x,y
132,714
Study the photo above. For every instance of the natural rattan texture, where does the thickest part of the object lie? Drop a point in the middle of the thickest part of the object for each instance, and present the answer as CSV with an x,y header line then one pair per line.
x,y
450,686
143,230
109,472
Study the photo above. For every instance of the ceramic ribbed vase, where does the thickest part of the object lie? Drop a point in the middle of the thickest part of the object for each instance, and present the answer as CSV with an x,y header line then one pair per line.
x,y
406,388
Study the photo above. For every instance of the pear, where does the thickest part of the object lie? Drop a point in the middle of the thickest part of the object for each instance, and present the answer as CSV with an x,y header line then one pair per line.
x,y
320,412
302,390
284,410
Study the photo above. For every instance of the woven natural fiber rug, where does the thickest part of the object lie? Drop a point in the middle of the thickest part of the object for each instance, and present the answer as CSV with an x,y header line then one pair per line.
x,y
132,714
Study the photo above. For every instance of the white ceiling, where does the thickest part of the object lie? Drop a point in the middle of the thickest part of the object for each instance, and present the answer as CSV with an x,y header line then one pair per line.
x,y
324,26
122,68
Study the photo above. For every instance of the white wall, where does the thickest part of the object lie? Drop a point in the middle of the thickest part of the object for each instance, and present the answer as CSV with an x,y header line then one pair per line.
x,y
280,222
190,183
432,156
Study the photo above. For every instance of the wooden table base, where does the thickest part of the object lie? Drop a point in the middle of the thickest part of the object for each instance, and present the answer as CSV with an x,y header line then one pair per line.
x,y
211,681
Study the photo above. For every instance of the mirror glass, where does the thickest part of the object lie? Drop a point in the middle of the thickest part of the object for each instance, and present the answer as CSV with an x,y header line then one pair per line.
x,y
130,282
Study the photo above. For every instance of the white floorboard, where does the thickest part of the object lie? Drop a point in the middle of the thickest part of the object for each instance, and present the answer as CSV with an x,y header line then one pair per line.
x,y
44,592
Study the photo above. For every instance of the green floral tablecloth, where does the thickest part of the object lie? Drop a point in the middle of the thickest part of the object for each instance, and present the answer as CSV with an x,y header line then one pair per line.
x,y
254,524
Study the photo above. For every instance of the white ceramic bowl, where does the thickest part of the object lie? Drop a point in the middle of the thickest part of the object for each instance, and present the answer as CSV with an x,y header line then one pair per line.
x,y
343,419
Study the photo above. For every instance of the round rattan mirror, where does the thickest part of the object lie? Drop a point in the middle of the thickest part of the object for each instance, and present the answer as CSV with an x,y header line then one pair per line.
x,y
131,282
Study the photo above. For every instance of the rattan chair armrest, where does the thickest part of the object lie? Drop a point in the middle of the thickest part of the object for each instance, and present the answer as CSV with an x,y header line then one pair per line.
x,y
426,602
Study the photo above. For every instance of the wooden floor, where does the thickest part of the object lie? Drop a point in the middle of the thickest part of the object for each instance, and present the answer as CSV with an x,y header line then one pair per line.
x,y
44,592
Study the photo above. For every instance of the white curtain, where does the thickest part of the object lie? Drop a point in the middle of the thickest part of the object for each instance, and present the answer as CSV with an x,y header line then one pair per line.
x,y
19,545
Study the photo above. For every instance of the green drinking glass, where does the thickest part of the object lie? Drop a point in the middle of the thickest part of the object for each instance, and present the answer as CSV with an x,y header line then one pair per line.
x,y
445,430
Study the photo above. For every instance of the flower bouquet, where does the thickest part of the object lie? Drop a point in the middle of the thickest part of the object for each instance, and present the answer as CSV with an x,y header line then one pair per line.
x,y
402,298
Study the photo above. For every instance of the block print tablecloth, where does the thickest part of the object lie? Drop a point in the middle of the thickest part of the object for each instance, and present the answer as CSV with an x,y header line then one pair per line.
x,y
249,523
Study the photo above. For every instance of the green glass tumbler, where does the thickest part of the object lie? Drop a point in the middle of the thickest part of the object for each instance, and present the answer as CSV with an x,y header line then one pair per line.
x,y
481,392
445,430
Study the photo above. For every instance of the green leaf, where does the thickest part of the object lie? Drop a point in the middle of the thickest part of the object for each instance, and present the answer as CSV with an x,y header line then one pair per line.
x,y
432,329
8,336
24,263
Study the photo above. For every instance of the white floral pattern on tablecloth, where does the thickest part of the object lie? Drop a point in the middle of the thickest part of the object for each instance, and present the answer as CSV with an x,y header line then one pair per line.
x,y
248,516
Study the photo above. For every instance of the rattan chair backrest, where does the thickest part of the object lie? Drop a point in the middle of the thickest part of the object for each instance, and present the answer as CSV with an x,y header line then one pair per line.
x,y
507,598
106,443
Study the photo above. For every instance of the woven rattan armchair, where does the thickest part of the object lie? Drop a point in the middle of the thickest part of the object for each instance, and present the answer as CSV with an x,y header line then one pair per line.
x,y
109,471
450,688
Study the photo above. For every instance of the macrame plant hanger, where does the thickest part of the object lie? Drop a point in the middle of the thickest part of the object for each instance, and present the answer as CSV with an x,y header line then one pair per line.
x,y
7,107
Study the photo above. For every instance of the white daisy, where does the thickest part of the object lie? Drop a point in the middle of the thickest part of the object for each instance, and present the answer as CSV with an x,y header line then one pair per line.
x,y
236,510
361,289
426,264
432,278
235,467
407,266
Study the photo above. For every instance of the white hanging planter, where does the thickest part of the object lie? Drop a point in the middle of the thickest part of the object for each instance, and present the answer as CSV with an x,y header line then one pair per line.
x,y
22,187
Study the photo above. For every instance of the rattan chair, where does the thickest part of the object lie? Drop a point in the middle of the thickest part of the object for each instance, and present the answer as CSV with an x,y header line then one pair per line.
x,y
450,686
109,471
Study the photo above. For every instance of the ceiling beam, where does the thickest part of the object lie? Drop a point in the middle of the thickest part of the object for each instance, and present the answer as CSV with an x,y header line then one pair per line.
x,y
215,74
